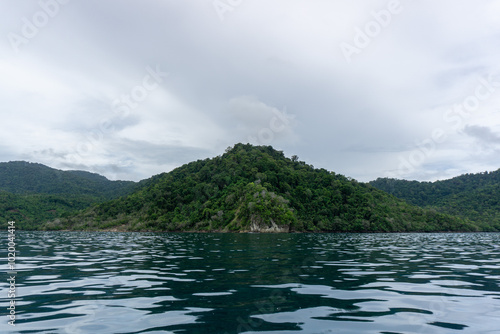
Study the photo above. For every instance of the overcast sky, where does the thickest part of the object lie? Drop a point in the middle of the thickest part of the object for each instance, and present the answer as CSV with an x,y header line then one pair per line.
x,y
129,89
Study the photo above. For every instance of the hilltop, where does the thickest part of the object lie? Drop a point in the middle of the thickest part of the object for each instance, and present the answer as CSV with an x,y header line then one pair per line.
x,y
257,188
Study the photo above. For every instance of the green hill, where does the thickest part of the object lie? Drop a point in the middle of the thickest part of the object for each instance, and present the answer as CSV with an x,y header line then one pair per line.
x,y
475,197
32,193
257,188
21,177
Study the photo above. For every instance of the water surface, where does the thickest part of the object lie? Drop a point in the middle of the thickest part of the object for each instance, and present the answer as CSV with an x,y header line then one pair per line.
x,y
77,282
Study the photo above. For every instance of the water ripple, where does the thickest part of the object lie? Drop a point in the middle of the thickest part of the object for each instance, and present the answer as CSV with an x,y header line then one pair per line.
x,y
78,282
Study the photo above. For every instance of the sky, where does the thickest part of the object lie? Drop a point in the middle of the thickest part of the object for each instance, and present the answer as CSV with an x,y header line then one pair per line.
x,y
129,89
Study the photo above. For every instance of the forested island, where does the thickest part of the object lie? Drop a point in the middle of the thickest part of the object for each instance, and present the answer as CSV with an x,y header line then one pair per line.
x,y
246,189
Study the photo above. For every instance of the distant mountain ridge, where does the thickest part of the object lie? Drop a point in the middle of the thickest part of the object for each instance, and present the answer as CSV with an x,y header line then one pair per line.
x,y
475,197
32,193
256,188
21,177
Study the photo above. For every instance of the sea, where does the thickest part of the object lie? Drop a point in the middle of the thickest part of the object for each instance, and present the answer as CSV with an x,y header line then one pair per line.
x,y
113,282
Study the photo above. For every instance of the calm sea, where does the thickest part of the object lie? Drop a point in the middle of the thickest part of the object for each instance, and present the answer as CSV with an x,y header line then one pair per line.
x,y
78,282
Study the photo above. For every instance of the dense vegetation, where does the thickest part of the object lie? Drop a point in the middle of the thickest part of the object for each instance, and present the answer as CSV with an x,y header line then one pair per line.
x,y
258,188
475,197
32,193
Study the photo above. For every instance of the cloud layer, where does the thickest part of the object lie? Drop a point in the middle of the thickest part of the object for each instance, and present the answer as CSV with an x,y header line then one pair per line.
x,y
130,89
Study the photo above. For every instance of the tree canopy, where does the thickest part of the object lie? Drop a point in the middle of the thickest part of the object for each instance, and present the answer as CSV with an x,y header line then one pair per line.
x,y
475,197
32,194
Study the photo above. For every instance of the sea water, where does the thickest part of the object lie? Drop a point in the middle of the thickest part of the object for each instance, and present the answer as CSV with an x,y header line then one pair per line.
x,y
90,282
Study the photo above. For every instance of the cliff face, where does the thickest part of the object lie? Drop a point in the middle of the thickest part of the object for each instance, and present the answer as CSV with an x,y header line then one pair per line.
x,y
257,225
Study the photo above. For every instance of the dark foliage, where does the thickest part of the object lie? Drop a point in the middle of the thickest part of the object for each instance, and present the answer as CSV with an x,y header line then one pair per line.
x,y
32,193
475,197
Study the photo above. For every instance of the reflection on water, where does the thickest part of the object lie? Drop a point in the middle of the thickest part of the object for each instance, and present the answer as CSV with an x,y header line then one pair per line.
x,y
76,282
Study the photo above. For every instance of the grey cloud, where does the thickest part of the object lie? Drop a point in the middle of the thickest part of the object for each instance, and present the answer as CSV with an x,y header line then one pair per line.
x,y
126,158
258,123
482,133
159,154
230,78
